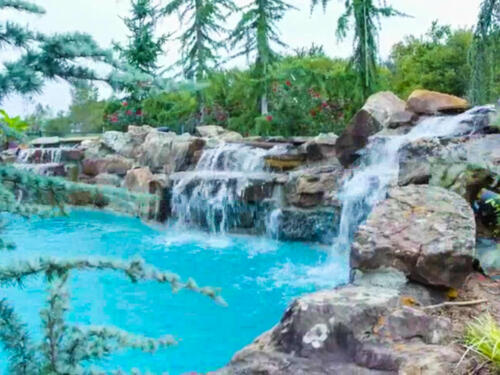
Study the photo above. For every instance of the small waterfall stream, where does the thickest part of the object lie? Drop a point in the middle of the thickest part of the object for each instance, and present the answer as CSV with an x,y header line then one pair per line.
x,y
379,169
215,194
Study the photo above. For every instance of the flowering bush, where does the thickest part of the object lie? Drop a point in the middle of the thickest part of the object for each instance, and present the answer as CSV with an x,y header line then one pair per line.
x,y
120,114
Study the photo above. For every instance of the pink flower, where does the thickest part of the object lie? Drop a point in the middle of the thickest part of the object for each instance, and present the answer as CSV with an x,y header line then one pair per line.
x,y
288,83
138,112
124,104
129,112
269,118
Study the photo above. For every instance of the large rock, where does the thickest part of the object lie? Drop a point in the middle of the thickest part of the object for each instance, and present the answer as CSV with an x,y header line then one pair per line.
x,y
374,326
375,115
314,186
112,164
167,152
218,132
139,180
126,144
426,232
431,103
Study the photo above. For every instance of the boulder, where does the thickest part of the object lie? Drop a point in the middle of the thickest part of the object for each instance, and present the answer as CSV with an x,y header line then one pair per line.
x,y
432,102
167,152
127,144
314,186
113,164
426,232
108,179
375,115
367,327
138,180
215,131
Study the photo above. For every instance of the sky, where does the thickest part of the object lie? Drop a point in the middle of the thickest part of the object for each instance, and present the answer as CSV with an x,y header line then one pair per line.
x,y
103,20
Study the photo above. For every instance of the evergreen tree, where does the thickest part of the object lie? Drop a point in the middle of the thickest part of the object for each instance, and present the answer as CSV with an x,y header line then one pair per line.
x,y
143,48
202,38
365,16
257,32
485,53
43,57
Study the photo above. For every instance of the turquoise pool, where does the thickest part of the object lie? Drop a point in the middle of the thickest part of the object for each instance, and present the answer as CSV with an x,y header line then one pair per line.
x,y
258,276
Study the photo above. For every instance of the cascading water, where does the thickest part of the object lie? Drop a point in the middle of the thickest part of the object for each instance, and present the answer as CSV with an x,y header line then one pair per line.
x,y
214,195
379,169
40,155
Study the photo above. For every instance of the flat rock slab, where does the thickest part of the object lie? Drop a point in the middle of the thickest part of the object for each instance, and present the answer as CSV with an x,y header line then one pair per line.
x,y
426,232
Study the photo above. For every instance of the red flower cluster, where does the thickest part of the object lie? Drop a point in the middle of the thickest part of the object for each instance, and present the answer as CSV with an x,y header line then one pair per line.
x,y
288,83
269,118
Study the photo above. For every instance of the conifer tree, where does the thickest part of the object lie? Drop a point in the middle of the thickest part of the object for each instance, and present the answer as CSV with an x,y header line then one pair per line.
x,y
144,47
257,32
364,16
202,38
42,56
485,52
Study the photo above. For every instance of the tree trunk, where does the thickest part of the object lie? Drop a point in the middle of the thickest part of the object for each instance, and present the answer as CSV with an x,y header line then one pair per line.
x,y
264,105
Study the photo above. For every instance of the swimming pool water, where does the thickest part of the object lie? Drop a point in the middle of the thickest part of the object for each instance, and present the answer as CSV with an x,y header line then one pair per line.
x,y
259,277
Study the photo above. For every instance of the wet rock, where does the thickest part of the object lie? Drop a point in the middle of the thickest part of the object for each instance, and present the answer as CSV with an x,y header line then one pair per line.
x,y
314,186
416,159
432,102
45,169
112,164
402,118
426,232
295,224
373,117
285,162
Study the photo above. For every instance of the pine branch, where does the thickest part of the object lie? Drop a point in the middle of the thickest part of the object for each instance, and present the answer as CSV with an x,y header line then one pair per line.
x,y
22,5
16,341
136,270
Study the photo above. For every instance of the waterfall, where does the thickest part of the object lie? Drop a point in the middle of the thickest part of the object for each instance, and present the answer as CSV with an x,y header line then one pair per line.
x,y
215,195
379,169
40,155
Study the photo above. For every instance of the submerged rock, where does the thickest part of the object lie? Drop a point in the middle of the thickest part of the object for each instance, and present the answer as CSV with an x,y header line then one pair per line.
x,y
426,232
295,224
432,102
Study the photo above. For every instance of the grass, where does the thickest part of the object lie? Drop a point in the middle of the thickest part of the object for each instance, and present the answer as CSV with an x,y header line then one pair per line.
x,y
483,337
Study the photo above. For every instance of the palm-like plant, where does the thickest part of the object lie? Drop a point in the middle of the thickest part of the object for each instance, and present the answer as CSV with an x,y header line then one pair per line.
x,y
364,17
256,32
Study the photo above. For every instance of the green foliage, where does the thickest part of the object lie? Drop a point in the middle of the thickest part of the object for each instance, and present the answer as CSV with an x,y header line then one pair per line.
x,y
177,110
255,34
483,337
364,16
143,48
496,206
201,39
485,54
11,127
44,57
436,61
85,115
